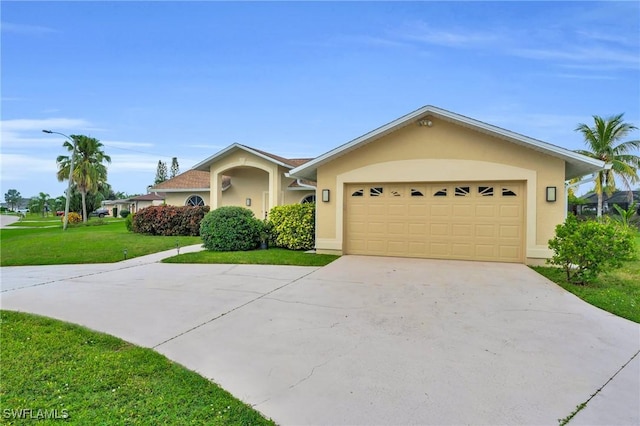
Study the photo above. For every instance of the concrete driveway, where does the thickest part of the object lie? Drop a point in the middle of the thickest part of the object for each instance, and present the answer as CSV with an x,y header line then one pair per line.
x,y
364,340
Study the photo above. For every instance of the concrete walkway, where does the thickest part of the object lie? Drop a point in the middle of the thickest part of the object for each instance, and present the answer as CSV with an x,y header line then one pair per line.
x,y
364,340
7,219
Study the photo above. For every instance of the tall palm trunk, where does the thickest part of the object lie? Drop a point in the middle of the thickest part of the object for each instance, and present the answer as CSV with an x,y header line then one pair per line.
x,y
600,197
84,206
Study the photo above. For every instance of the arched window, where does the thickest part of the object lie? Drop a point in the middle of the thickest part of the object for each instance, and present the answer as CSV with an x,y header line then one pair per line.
x,y
309,199
194,200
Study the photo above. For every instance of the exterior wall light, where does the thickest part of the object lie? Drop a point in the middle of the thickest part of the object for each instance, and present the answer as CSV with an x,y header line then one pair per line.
x,y
425,123
325,195
551,194
247,202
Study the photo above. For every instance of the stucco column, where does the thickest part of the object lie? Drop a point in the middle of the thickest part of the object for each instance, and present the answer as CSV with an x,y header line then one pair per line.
x,y
274,187
215,190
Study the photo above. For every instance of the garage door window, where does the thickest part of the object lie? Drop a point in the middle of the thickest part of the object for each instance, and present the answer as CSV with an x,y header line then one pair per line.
x,y
376,191
358,193
506,192
485,191
441,193
462,191
416,193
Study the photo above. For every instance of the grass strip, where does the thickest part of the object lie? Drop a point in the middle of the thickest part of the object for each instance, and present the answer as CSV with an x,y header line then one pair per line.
x,y
273,256
615,291
56,369
81,244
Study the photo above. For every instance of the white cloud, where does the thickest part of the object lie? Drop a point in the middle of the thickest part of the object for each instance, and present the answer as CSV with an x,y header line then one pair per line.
x,y
132,163
10,27
562,45
27,133
126,145
595,56
23,166
25,124
426,33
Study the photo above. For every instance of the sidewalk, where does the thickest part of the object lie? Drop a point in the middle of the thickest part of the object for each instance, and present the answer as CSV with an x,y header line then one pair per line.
x,y
6,220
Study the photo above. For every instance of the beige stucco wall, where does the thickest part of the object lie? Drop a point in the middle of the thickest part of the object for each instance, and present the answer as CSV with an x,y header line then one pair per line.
x,y
180,198
296,197
252,177
445,152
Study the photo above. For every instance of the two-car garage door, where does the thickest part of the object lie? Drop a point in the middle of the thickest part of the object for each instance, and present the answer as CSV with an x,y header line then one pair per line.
x,y
458,220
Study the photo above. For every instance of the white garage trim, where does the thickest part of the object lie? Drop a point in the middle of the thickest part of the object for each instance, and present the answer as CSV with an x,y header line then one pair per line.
x,y
439,170
446,220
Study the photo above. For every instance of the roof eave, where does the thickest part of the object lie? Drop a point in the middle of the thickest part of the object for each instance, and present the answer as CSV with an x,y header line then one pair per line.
x,y
575,164
205,164
186,190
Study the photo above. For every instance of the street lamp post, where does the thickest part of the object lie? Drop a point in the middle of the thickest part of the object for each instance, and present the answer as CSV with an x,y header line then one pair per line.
x,y
65,220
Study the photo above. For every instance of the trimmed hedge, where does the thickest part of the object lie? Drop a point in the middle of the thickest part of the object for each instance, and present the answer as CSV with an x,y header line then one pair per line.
x,y
230,228
169,220
294,226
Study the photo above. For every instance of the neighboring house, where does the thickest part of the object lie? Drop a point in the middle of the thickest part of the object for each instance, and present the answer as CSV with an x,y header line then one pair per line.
x,y
436,184
134,204
141,201
241,176
431,184
620,198
116,206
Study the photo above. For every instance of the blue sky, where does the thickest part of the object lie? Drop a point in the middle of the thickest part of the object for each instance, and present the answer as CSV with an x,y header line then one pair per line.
x,y
153,80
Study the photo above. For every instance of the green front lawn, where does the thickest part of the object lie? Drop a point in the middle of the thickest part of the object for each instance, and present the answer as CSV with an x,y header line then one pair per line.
x,y
63,370
617,292
81,244
273,256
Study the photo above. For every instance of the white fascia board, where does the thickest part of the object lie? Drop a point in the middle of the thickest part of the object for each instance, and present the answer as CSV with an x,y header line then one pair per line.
x,y
576,163
204,165
187,190
308,169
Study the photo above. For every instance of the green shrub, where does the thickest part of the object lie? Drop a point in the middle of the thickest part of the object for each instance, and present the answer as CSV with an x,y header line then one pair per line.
x,y
169,220
128,222
293,226
585,249
230,228
124,213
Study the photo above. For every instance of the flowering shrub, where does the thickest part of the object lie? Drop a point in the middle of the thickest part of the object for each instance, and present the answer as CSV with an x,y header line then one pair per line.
x,y
73,218
169,220
230,228
294,226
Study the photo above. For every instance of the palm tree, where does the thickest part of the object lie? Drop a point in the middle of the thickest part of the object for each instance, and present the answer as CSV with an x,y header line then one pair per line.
x,y
89,171
604,143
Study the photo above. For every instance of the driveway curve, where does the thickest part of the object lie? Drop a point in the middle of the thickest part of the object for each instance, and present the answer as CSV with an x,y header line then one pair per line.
x,y
364,340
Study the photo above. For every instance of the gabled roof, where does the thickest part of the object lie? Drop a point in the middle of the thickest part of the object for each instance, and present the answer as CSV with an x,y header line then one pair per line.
x,y
281,161
575,164
191,180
